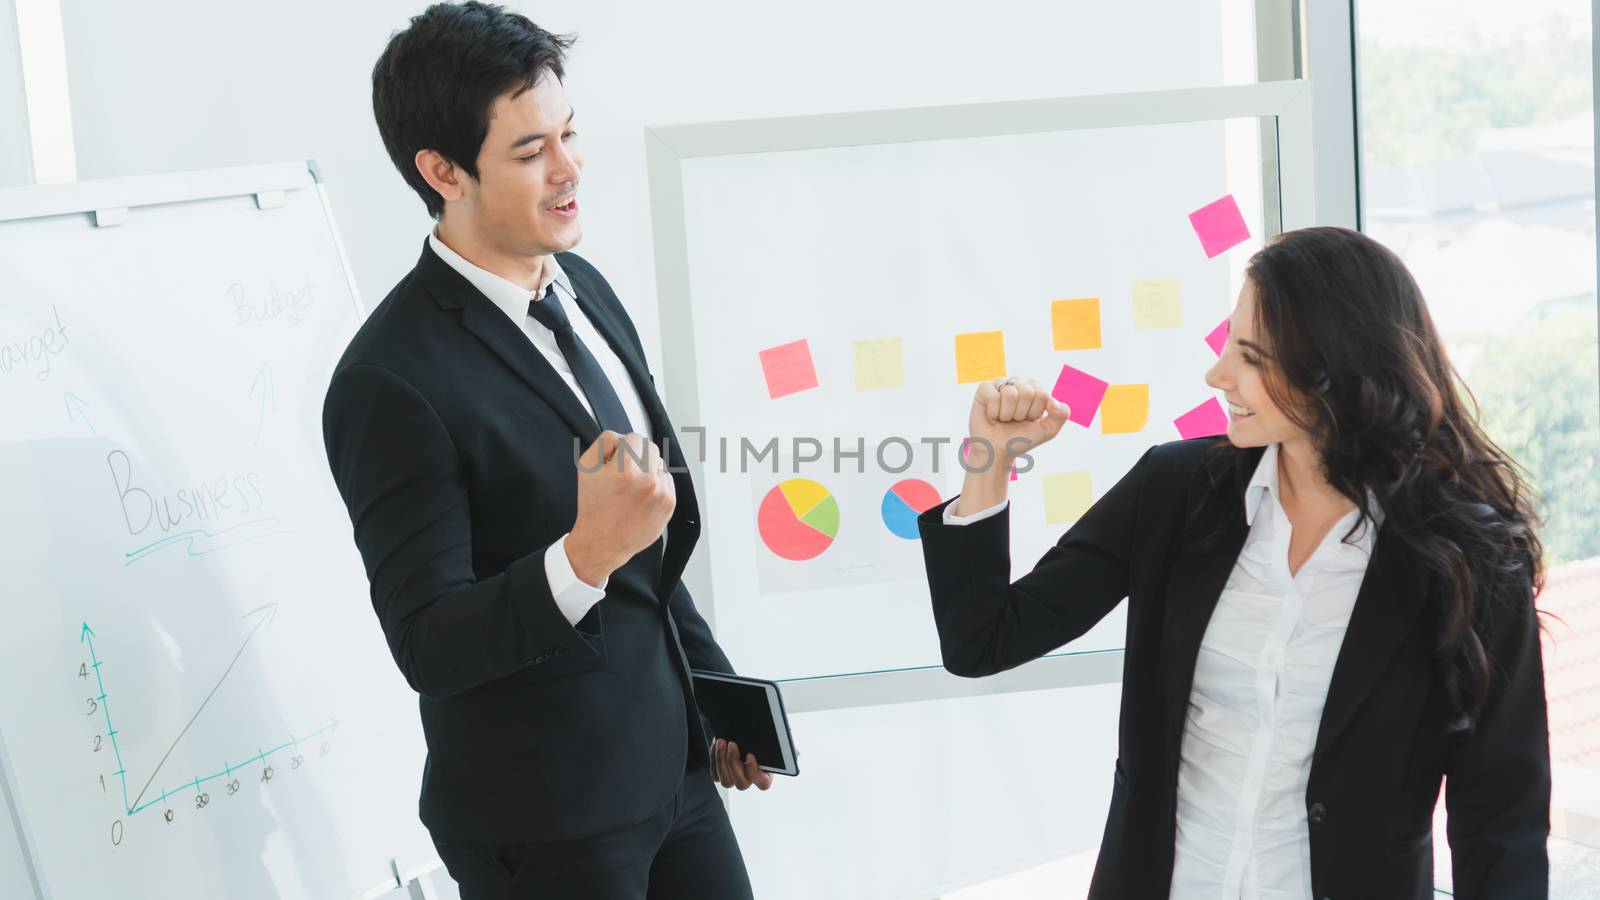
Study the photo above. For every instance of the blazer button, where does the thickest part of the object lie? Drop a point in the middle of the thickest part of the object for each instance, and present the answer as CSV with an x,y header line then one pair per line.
x,y
1318,813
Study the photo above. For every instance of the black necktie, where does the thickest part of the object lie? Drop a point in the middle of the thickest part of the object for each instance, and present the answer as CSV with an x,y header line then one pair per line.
x,y
585,368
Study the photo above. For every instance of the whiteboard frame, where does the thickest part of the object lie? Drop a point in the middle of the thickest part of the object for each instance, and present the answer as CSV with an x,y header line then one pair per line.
x,y
19,822
1288,103
102,195
108,201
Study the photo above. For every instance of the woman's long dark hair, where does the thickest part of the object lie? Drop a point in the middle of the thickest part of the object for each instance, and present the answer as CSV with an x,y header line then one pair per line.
x,y
1355,361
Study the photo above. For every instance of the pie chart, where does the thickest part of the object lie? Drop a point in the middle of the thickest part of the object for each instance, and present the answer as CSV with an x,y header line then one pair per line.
x,y
903,502
798,519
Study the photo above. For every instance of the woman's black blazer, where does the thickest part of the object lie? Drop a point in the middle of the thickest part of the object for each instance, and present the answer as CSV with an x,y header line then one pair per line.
x,y
1383,743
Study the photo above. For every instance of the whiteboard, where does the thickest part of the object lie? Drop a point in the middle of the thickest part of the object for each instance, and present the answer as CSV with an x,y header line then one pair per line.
x,y
198,701
919,243
918,226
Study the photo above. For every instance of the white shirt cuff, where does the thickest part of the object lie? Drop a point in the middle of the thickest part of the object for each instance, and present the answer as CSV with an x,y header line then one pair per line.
x,y
573,596
950,517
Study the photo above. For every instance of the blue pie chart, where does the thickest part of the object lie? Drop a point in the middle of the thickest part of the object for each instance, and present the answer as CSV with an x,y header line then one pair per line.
x,y
903,502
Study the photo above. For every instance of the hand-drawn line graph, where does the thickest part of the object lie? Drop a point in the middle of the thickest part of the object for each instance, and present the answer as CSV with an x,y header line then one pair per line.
x,y
87,635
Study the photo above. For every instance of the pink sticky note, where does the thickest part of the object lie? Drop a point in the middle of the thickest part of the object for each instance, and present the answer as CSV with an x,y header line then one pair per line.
x,y
966,441
1081,392
1219,226
1218,337
788,368
1204,420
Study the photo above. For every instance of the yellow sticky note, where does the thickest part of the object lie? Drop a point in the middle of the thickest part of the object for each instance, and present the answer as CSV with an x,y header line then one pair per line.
x,y
1157,304
980,356
1075,324
879,364
1125,408
1067,496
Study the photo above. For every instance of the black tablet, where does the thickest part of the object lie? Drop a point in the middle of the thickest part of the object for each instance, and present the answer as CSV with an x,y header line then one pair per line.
x,y
748,712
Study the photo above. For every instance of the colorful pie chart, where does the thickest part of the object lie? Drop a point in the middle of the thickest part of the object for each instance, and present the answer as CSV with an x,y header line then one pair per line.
x,y
798,519
903,502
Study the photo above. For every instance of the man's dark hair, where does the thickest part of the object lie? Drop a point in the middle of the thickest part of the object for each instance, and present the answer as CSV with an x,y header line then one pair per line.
x,y
436,82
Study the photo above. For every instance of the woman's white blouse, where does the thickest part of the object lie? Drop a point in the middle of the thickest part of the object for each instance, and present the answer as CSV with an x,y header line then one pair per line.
x,y
1260,682
1259,685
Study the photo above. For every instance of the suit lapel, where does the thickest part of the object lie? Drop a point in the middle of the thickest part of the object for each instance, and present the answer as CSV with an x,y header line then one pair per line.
x,y
1386,608
683,529
1387,605
502,336
1195,585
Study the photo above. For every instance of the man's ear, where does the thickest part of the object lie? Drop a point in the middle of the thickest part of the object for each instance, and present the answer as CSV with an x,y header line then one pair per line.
x,y
441,174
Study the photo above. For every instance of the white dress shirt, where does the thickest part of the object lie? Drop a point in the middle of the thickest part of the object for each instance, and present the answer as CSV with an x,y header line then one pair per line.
x,y
573,596
1260,682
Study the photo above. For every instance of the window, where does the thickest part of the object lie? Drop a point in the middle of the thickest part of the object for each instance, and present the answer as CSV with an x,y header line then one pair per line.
x,y
1476,129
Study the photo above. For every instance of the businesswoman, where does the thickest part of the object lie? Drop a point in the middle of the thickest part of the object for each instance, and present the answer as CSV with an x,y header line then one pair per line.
x,y
1329,610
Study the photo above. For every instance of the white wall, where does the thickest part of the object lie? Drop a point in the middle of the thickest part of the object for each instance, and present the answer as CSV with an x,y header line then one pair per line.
x,y
162,85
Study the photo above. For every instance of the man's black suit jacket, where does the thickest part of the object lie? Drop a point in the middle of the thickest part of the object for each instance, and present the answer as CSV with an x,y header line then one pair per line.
x,y
1383,743
451,440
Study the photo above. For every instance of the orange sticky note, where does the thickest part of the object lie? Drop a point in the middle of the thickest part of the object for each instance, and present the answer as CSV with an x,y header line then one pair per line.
x,y
980,356
1075,324
1125,408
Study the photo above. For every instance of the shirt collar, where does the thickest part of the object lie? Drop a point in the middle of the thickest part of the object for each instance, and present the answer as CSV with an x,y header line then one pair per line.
x,y
508,296
1264,481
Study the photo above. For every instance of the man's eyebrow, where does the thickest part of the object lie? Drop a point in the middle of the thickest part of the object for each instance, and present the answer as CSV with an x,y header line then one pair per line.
x,y
530,138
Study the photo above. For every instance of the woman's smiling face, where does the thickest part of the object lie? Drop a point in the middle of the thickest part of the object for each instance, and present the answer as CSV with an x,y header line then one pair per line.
x,y
1254,420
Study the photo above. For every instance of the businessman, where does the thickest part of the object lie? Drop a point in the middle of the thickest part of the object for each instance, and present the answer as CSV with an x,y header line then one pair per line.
x,y
530,596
